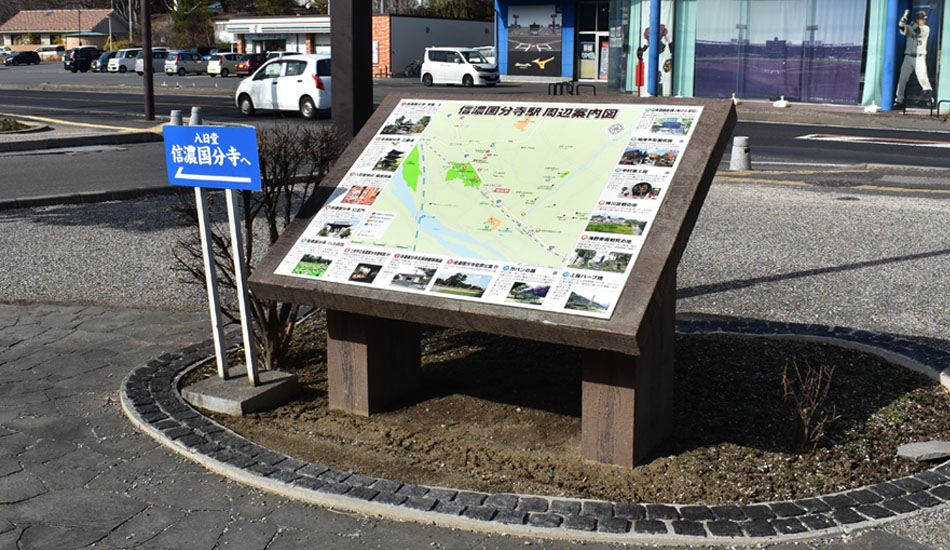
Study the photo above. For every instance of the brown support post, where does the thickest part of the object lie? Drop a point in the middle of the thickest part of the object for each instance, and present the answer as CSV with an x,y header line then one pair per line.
x,y
626,400
371,362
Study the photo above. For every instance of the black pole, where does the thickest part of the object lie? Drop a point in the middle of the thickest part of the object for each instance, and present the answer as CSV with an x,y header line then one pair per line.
x,y
351,32
147,79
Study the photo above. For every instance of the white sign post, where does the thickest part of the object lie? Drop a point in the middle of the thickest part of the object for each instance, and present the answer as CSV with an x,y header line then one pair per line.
x,y
224,158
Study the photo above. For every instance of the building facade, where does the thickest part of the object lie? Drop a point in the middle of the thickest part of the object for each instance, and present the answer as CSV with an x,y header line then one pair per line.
x,y
851,52
31,28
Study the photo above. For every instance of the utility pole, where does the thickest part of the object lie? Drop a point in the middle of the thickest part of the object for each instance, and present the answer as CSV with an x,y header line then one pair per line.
x,y
352,65
79,25
148,78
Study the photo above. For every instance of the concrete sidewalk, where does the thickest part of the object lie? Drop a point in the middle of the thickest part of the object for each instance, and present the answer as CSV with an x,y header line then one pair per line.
x,y
74,473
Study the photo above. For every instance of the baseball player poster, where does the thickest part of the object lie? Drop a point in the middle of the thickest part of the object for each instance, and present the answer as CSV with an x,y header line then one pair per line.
x,y
918,26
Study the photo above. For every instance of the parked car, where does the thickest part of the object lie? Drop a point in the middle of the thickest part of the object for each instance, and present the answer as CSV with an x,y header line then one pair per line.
x,y
22,58
465,66
5,51
488,52
124,60
222,64
249,63
180,62
51,52
298,82
81,58
158,60
101,63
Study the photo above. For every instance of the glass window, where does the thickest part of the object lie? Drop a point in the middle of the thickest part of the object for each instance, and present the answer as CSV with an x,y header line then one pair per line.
x,y
323,67
295,68
272,70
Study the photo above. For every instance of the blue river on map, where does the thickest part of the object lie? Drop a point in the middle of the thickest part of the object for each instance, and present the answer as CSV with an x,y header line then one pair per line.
x,y
455,242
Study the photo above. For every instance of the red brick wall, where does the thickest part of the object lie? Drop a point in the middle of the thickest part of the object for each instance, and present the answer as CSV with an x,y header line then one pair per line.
x,y
381,34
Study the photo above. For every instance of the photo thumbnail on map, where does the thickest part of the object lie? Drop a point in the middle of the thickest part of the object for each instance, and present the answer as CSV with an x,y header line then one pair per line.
x,y
636,183
613,262
663,158
365,273
640,191
525,293
583,298
671,125
406,125
414,278
362,195
385,154
670,121
338,228
312,266
613,223
461,282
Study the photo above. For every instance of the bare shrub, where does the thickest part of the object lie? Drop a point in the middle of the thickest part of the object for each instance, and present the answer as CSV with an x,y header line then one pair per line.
x,y
293,161
805,392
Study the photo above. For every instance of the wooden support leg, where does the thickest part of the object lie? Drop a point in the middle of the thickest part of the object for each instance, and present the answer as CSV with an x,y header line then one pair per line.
x,y
627,401
371,362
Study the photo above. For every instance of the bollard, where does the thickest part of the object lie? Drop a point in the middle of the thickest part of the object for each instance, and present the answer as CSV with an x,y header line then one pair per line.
x,y
740,159
195,119
175,118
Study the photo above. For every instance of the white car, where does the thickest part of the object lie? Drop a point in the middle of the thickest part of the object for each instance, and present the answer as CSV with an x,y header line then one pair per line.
x,y
124,60
450,65
299,82
222,63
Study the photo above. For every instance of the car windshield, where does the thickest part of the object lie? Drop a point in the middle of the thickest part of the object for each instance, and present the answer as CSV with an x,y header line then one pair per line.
x,y
474,57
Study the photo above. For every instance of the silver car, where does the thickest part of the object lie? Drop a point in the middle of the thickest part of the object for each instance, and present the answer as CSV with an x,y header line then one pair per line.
x,y
181,62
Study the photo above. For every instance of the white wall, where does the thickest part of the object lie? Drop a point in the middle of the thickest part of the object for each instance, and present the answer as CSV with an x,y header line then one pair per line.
x,y
409,36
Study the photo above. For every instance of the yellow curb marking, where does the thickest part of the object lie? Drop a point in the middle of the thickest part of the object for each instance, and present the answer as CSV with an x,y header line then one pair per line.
x,y
156,128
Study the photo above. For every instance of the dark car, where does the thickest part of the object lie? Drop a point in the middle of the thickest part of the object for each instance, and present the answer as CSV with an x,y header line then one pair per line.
x,y
249,63
102,62
22,58
80,59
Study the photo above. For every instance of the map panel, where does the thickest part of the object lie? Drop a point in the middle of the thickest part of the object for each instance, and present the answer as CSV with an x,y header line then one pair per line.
x,y
538,205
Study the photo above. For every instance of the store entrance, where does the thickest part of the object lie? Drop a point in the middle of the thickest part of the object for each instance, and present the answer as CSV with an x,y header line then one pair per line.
x,y
592,40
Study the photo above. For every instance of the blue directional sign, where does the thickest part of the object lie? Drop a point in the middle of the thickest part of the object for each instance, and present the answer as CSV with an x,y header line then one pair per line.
x,y
212,156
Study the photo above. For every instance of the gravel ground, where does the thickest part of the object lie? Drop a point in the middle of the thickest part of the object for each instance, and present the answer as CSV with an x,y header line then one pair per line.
x,y
774,252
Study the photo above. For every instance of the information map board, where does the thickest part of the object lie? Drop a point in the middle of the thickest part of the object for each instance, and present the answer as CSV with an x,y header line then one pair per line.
x,y
527,204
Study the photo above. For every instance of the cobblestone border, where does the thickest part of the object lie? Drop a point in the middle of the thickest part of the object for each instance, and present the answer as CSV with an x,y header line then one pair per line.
x,y
151,399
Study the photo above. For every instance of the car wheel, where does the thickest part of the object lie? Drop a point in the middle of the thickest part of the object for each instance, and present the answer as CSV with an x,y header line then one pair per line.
x,y
141,73
307,109
123,68
181,71
224,73
74,70
427,79
246,105
467,81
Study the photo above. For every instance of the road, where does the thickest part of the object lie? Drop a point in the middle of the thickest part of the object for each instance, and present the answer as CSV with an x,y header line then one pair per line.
x,y
112,98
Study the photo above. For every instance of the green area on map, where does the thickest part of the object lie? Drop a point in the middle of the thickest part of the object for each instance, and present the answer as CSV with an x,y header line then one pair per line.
x,y
504,188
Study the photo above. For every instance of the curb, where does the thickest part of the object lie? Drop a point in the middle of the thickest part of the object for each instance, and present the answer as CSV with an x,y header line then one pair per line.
x,y
152,401
123,138
90,197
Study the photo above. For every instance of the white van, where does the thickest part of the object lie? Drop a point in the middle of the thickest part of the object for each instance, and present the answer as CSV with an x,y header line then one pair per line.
x,y
124,60
451,65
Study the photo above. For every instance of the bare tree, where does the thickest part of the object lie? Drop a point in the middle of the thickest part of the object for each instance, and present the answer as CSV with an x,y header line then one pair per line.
x,y
293,160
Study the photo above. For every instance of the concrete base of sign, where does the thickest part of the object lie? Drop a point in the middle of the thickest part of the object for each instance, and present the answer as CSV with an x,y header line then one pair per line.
x,y
236,396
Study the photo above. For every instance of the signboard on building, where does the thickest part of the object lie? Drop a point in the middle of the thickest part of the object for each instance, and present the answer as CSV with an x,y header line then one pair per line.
x,y
534,40
531,205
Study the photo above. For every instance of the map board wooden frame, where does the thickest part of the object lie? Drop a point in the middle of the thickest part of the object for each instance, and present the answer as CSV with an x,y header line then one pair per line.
x,y
373,335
